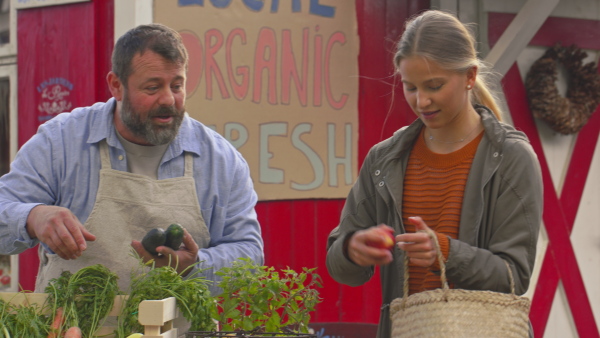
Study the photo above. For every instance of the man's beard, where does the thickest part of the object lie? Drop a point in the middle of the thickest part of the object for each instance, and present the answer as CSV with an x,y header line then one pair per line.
x,y
145,128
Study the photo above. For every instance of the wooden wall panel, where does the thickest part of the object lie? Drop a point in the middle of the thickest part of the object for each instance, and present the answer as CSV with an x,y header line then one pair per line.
x,y
67,42
51,45
561,206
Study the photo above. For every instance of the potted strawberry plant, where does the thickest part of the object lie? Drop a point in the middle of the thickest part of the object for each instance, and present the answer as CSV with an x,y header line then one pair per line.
x,y
258,301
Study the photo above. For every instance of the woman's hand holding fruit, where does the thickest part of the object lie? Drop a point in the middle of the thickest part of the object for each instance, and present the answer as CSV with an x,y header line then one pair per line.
x,y
371,246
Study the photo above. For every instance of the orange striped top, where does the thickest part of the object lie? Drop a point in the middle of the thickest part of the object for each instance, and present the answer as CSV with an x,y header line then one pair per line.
x,y
433,189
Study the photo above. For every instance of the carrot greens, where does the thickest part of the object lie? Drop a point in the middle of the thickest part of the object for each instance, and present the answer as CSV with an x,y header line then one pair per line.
x,y
192,295
86,297
22,321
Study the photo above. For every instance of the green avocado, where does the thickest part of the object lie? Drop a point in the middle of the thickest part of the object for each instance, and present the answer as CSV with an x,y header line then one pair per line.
x,y
153,239
174,235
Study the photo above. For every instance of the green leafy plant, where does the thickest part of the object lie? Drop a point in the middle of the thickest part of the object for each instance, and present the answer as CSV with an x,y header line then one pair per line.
x,y
261,299
192,295
22,321
86,297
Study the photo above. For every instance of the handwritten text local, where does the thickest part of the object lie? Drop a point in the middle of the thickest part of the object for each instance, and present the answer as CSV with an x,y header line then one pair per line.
x,y
315,8
274,59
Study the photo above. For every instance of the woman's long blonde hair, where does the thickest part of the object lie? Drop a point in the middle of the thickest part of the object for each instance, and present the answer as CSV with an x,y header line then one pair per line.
x,y
440,37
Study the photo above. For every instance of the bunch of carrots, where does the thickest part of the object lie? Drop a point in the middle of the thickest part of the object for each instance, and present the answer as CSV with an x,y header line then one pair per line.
x,y
76,306
57,323
28,321
81,301
78,303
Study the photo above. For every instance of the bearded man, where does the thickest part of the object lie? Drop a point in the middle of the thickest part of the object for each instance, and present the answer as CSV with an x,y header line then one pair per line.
x,y
91,183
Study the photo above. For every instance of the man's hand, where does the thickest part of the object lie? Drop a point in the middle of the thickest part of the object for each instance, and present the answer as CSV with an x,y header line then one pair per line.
x,y
58,228
179,259
364,254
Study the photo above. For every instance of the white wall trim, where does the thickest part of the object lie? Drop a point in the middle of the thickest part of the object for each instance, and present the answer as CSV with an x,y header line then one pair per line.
x,y
132,13
518,34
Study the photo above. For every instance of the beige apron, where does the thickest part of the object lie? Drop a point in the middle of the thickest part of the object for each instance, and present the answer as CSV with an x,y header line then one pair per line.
x,y
127,206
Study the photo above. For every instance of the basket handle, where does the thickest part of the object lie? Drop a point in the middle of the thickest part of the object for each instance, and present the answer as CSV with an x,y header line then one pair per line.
x,y
440,258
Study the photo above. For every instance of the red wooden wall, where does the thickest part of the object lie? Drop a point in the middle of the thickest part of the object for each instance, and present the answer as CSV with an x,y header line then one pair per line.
x,y
75,42
70,42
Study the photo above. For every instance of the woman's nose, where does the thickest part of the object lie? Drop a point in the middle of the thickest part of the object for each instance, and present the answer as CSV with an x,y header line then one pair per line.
x,y
423,100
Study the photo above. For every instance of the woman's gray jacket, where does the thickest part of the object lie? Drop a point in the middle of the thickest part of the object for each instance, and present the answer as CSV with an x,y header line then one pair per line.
x,y
500,219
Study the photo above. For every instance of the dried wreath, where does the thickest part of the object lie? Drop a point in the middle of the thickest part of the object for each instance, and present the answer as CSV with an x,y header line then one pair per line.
x,y
566,115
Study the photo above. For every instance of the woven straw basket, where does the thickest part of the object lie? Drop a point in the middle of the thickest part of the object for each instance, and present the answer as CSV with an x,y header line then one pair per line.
x,y
459,313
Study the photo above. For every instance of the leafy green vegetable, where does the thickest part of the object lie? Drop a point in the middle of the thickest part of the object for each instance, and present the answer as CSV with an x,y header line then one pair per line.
x,y
22,321
192,295
86,297
260,297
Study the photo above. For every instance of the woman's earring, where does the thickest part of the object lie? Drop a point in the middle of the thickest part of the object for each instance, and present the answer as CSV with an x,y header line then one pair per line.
x,y
468,86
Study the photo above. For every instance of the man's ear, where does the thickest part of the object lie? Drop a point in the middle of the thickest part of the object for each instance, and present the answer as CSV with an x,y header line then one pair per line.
x,y
115,86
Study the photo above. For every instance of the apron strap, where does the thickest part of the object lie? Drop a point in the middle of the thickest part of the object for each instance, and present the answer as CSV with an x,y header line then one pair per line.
x,y
104,155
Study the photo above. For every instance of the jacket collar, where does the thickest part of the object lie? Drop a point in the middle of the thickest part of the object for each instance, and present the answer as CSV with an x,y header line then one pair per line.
x,y
391,156
404,138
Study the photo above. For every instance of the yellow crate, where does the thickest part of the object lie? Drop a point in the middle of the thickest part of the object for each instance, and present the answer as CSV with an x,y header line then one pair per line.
x,y
155,315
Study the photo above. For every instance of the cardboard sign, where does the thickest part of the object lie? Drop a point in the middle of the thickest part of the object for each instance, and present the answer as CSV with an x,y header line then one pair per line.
x,y
279,80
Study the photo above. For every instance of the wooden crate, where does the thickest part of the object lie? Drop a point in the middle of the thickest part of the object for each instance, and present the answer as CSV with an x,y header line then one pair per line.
x,y
155,315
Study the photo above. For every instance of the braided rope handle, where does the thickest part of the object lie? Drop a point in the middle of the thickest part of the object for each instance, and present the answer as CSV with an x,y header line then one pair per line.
x,y
440,258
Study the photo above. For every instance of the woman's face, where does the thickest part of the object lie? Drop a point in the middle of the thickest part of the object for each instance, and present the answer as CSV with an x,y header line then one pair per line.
x,y
438,97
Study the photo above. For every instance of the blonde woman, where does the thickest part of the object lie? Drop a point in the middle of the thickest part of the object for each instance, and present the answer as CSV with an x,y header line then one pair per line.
x,y
457,170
